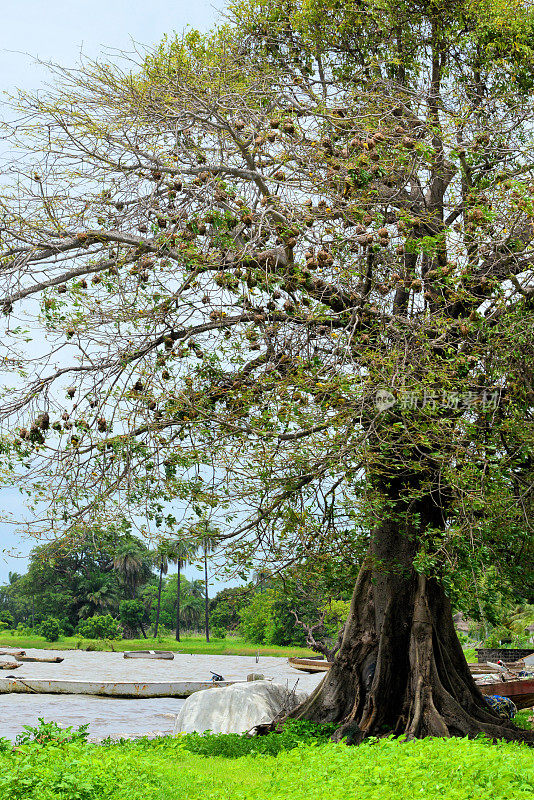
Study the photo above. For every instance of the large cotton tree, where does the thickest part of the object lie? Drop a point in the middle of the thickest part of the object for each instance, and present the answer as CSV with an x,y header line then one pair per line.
x,y
282,275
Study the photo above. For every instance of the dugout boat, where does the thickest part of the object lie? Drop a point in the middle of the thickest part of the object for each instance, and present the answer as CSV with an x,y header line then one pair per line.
x,y
164,654
40,660
310,665
133,689
520,691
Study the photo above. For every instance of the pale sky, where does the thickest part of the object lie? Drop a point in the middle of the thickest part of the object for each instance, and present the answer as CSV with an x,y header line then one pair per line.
x,y
58,31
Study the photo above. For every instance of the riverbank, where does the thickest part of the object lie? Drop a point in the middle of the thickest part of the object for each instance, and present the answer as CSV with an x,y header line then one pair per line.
x,y
448,769
231,646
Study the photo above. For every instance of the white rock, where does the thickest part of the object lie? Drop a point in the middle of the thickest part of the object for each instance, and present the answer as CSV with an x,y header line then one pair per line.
x,y
236,708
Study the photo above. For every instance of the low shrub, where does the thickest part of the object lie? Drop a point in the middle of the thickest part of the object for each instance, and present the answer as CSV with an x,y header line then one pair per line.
x,y
235,745
100,627
50,629
51,733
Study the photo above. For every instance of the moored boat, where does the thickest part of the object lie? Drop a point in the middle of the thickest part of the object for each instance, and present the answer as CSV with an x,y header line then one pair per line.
x,y
165,654
520,691
310,665
39,660
106,688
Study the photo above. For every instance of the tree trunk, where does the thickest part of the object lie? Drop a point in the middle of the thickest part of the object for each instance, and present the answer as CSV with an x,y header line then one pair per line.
x,y
159,600
206,598
178,601
401,668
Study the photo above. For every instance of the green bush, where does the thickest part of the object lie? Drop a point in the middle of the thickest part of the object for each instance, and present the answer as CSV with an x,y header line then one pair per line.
x,y
100,627
256,617
132,613
218,633
7,620
51,733
50,629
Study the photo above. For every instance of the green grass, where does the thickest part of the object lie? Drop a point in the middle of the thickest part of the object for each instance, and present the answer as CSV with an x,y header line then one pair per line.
x,y
164,769
231,646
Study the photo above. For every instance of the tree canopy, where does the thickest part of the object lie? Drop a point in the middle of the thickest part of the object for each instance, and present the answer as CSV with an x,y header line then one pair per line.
x,y
284,274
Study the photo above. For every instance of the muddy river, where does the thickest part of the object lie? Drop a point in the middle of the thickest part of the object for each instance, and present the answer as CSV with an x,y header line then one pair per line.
x,y
124,717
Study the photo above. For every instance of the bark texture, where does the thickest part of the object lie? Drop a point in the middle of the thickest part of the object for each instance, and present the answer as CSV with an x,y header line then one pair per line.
x,y
401,668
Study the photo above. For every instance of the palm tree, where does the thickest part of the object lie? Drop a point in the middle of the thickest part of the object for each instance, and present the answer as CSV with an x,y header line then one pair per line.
x,y
209,544
183,551
163,554
132,562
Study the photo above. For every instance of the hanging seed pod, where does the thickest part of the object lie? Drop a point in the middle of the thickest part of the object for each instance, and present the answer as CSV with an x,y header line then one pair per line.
x,y
96,279
138,386
271,137
56,426
383,233
280,175
102,425
408,143
61,289
288,127
152,405
71,391
288,306
23,433
416,285
75,441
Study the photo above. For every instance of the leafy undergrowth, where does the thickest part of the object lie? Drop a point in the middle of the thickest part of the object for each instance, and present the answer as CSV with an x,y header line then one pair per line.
x,y
299,764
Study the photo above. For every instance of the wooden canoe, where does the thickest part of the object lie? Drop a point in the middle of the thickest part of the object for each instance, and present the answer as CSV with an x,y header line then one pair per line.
x,y
107,688
9,665
520,691
38,660
165,654
12,653
310,665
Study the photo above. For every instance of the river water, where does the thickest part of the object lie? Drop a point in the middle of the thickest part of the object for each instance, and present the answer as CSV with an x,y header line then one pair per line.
x,y
124,717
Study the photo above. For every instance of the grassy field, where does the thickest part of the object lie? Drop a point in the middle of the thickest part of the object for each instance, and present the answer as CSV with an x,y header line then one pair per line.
x,y
166,769
195,645
231,646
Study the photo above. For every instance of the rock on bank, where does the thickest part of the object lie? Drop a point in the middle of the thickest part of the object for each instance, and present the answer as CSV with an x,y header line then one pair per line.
x,y
237,708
